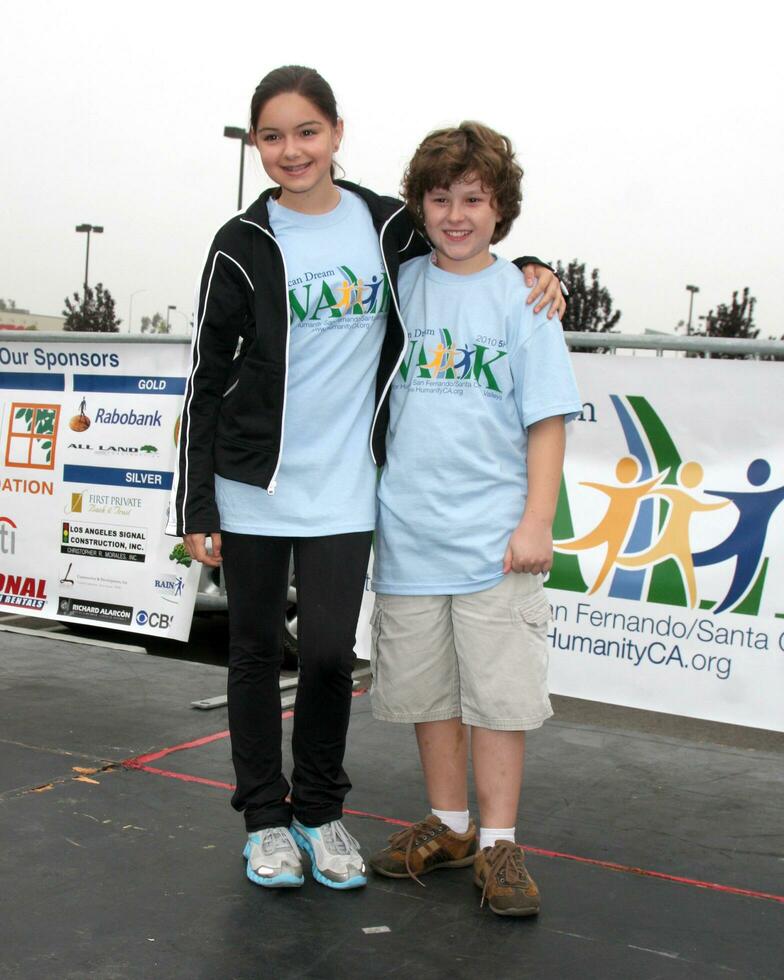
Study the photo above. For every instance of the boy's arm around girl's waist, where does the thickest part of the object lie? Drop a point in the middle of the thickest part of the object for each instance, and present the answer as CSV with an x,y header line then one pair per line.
x,y
223,316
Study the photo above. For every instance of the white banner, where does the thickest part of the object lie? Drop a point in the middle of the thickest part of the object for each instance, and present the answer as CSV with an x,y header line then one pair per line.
x,y
89,438
668,583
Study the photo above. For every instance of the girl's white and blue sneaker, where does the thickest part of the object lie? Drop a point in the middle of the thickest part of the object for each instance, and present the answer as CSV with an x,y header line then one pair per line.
x,y
274,860
334,854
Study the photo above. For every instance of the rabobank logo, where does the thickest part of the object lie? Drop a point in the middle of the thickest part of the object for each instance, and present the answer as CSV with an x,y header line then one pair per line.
x,y
114,416
660,517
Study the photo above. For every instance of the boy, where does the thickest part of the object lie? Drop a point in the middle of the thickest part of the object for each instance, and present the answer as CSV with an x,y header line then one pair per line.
x,y
466,504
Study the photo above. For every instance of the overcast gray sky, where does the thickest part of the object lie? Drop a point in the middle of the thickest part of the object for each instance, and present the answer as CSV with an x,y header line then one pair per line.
x,y
651,135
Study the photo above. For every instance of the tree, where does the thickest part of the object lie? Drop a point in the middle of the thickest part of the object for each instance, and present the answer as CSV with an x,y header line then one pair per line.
x,y
588,305
735,320
7,305
94,313
155,324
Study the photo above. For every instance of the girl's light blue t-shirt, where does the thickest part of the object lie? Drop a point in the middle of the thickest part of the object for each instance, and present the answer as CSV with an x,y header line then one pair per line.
x,y
480,368
339,297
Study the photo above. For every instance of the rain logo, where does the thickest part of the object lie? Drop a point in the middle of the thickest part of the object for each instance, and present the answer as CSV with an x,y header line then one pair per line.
x,y
647,526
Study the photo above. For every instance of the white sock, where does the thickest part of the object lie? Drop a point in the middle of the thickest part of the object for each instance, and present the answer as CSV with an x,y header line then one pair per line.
x,y
456,820
489,835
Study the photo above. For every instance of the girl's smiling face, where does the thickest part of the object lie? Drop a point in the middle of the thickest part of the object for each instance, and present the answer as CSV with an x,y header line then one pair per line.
x,y
296,143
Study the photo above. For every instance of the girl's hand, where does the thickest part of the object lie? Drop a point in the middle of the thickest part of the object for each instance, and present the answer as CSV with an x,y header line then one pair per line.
x,y
530,548
546,288
195,545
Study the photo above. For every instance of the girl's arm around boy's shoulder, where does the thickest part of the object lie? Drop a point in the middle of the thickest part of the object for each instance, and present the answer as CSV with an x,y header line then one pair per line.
x,y
545,288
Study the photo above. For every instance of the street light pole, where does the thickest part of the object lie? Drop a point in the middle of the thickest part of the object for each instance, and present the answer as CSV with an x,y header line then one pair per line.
x,y
692,290
180,313
98,229
237,133
130,306
168,311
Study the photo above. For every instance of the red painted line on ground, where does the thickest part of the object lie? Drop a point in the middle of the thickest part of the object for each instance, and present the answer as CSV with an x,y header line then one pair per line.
x,y
140,760
607,865
184,777
644,872
140,763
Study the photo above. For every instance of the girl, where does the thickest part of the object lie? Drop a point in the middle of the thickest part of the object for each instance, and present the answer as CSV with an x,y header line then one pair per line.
x,y
298,336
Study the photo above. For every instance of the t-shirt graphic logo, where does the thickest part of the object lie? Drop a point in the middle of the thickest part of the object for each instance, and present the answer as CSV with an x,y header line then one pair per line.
x,y
447,362
337,293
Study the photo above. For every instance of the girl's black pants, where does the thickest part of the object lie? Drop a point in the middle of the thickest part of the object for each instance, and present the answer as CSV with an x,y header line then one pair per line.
x,y
330,575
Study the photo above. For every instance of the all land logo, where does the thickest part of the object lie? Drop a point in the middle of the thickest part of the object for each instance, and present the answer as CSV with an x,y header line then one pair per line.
x,y
451,365
32,436
114,449
652,507
22,591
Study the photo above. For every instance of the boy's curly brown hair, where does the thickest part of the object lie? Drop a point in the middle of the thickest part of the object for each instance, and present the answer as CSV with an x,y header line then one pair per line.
x,y
468,150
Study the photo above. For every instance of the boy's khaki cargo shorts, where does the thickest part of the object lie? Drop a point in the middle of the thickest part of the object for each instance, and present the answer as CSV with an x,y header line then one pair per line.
x,y
481,657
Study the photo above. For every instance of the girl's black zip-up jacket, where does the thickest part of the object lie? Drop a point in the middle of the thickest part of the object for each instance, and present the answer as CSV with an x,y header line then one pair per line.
x,y
233,412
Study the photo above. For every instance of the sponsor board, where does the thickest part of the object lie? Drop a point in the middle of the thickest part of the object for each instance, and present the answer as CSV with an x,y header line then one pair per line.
x,y
666,585
87,430
102,612
93,540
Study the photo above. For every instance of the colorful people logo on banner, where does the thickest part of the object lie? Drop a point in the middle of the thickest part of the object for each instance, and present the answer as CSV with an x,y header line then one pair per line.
x,y
647,527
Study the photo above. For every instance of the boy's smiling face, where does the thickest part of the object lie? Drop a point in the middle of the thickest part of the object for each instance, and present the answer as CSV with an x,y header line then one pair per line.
x,y
460,221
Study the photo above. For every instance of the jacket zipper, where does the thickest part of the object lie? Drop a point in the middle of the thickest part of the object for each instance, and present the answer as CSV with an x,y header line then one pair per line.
x,y
402,327
273,482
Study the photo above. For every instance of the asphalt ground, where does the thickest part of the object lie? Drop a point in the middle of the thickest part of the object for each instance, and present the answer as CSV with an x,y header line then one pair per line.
x,y
656,841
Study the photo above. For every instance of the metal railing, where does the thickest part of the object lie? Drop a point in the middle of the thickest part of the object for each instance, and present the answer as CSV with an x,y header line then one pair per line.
x,y
662,342
574,338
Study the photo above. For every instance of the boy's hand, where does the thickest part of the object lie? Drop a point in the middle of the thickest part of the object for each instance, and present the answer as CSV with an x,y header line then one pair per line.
x,y
546,288
195,545
530,547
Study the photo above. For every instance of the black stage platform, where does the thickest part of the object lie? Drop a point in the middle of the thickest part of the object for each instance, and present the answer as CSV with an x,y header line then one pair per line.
x,y
658,853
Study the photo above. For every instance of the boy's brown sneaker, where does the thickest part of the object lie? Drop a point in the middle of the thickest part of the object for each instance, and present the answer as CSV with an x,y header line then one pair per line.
x,y
501,873
423,847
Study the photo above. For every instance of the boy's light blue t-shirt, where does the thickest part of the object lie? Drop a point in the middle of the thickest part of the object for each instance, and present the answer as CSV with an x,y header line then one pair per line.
x,y
480,368
339,299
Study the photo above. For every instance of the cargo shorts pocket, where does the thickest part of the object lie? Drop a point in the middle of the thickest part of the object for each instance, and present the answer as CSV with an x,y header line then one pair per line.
x,y
534,612
533,616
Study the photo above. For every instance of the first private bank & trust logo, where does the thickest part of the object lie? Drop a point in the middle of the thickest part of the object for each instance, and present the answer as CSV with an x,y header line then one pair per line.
x,y
652,507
